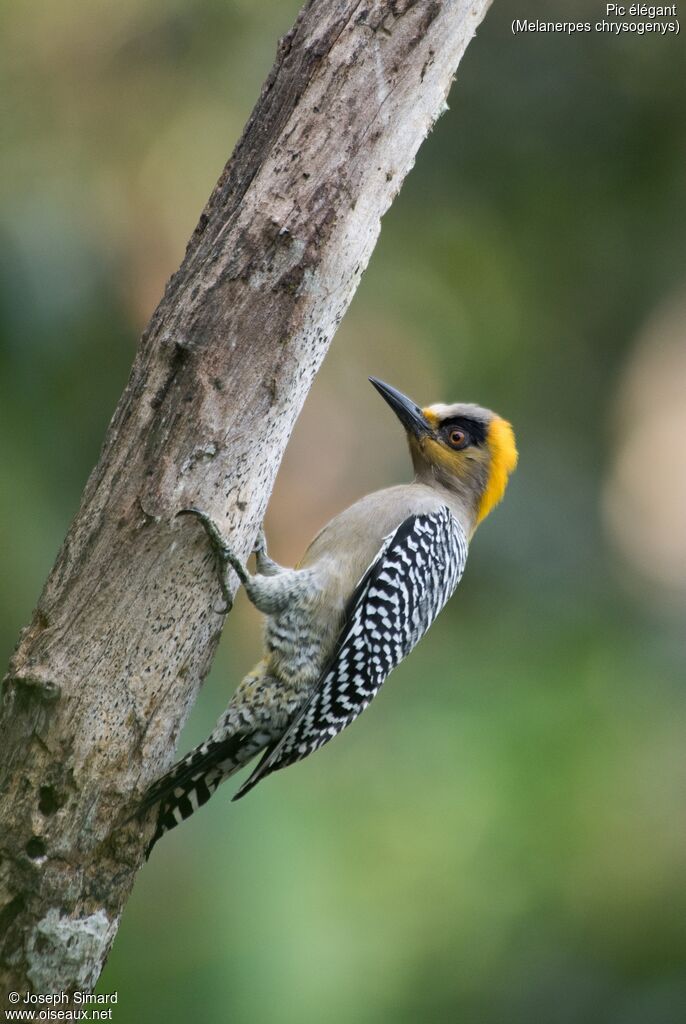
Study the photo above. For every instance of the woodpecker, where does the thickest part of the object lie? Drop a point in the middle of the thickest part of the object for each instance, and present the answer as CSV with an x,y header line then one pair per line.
x,y
367,589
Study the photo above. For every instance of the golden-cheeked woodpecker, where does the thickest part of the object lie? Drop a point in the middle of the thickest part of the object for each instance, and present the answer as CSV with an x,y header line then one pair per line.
x,y
365,592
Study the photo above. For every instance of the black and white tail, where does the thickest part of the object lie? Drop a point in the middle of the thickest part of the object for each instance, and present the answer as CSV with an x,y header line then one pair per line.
x,y
192,781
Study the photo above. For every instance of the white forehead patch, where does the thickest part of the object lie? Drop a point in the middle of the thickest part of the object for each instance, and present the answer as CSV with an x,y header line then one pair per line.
x,y
461,409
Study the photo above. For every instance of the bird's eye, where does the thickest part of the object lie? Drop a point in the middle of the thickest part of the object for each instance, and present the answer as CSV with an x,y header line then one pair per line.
x,y
458,438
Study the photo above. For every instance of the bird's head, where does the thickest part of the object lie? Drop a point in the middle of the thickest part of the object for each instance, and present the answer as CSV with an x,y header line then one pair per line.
x,y
468,450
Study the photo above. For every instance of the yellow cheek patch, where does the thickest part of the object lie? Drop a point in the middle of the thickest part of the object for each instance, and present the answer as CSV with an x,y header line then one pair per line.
x,y
438,454
503,451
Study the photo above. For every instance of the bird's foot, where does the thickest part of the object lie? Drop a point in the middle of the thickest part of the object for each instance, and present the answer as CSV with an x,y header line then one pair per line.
x,y
265,565
223,553
260,545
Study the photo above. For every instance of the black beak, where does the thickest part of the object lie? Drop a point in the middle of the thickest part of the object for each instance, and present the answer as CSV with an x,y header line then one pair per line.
x,y
409,414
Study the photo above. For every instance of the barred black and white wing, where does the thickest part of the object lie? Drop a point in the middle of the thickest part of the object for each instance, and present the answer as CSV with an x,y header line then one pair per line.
x,y
393,605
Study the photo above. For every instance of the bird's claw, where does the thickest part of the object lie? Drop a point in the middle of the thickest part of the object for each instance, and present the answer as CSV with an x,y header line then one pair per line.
x,y
211,529
265,565
260,545
222,552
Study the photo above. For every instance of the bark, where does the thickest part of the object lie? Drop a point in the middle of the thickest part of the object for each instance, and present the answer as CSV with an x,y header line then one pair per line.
x,y
126,627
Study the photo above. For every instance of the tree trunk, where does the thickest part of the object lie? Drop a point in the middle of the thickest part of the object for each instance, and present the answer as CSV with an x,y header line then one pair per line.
x,y
125,630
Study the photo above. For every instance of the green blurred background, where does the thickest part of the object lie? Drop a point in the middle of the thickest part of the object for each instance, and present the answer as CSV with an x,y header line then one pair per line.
x,y
501,837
